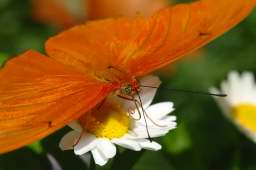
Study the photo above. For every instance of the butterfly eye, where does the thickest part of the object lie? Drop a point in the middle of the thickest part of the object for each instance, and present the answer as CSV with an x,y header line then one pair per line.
x,y
127,90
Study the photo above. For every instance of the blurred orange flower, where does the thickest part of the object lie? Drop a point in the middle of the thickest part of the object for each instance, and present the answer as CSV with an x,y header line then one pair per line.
x,y
66,13
59,13
113,8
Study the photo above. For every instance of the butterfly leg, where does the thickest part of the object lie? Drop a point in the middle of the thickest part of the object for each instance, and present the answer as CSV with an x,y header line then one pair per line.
x,y
101,104
136,103
78,140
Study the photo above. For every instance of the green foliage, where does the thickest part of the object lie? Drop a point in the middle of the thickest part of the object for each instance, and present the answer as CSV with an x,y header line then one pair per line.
x,y
203,140
36,147
178,141
3,58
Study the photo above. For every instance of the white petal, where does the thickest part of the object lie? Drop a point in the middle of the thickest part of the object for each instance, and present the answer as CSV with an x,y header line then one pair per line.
x,y
234,90
86,158
106,147
155,117
241,88
169,119
54,163
248,88
214,90
222,102
86,143
253,137
99,157
165,122
127,143
159,110
67,142
234,78
225,88
142,132
146,144
148,94
167,125
247,81
76,126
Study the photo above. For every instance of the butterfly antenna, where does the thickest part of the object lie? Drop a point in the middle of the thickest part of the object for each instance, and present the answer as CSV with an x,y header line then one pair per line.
x,y
188,91
144,116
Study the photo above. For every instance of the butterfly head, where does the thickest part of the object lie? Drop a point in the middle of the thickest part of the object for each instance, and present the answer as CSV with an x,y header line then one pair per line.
x,y
130,88
125,83
126,90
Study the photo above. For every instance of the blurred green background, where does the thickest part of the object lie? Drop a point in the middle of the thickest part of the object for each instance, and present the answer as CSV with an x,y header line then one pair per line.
x,y
204,139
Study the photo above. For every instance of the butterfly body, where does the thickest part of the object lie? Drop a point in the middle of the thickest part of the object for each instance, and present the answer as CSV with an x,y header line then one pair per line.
x,y
121,80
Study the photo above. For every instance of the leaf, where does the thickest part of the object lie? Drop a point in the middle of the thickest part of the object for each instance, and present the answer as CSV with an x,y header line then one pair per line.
x,y
178,140
23,159
36,147
126,160
152,160
3,58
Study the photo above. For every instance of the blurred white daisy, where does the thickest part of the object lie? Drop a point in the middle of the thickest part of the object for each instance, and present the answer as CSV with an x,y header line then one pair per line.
x,y
240,104
101,129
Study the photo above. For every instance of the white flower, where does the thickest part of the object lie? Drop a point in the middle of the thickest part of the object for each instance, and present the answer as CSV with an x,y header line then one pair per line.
x,y
100,130
240,104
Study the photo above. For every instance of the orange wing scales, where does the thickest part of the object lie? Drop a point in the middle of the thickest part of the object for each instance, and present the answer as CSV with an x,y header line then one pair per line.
x,y
41,98
141,45
190,27
39,95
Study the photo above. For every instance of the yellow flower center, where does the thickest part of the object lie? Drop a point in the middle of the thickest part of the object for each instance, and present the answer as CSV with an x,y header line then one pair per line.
x,y
245,114
109,121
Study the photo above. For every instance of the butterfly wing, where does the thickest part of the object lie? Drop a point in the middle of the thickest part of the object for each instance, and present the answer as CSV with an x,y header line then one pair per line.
x,y
140,45
189,27
99,44
39,96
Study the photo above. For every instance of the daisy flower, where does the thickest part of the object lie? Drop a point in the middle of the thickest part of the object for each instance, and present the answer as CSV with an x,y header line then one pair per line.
x,y
240,104
118,122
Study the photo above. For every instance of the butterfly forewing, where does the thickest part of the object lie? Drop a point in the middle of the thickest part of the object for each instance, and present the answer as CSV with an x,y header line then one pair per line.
x,y
190,27
39,96
141,45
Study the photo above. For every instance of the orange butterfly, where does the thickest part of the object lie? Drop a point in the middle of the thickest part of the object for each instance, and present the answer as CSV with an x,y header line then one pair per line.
x,y
39,95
